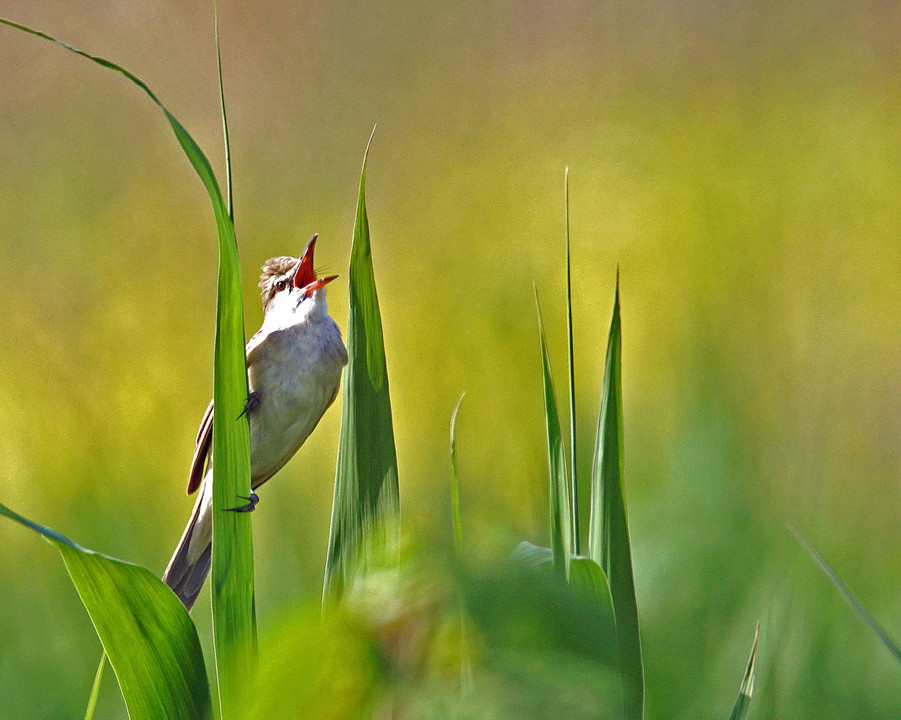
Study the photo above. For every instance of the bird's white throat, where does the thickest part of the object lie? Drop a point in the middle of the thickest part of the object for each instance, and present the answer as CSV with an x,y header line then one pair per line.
x,y
287,310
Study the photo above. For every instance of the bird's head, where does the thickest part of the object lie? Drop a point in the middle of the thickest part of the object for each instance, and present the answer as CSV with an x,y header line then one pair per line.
x,y
288,283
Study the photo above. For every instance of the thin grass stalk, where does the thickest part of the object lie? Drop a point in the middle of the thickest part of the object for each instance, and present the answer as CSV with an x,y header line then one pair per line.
x,y
746,689
95,688
849,596
574,490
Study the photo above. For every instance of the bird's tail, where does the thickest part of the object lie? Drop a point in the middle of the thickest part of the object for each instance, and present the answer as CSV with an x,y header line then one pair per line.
x,y
190,563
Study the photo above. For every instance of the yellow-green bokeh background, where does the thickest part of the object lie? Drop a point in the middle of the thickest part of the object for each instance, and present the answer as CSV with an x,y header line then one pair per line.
x,y
740,161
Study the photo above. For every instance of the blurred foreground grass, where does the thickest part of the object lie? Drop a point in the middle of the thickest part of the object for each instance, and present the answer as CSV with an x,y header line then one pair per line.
x,y
742,170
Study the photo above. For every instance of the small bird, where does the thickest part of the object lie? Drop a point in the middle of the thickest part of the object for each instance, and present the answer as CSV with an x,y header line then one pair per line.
x,y
294,365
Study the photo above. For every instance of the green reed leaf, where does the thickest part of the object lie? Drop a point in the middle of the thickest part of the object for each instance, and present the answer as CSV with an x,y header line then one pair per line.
x,y
560,508
366,506
574,478
151,641
608,540
232,571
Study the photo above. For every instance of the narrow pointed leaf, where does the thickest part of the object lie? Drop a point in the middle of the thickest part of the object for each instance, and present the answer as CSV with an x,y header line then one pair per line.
x,y
232,573
234,621
455,485
227,146
560,508
365,510
151,641
608,539
746,689
574,478
850,597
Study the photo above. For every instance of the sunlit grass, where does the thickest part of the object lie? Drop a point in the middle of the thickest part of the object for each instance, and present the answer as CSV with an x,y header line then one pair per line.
x,y
758,242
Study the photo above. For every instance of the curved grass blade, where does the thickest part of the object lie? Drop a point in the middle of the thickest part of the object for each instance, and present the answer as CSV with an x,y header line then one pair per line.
x,y
608,539
561,530
574,483
232,574
366,506
455,485
851,598
532,555
746,689
151,641
586,574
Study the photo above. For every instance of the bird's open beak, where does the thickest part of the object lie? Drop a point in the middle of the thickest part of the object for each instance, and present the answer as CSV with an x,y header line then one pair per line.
x,y
305,277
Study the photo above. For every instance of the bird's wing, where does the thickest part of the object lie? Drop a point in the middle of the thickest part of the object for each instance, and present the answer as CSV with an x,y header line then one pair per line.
x,y
201,450
253,344
204,441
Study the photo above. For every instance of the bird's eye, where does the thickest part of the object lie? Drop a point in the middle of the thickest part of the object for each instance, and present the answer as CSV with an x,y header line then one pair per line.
x,y
281,285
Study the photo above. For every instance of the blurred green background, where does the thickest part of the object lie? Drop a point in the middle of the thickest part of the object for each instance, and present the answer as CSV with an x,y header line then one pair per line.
x,y
739,161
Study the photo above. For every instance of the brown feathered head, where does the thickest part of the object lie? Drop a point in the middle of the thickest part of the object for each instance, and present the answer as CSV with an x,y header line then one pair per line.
x,y
286,273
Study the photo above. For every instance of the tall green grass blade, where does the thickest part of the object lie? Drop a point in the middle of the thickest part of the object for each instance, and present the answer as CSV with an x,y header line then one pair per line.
x,y
234,619
608,540
151,641
849,596
366,506
232,574
561,530
746,689
95,689
455,484
230,205
574,484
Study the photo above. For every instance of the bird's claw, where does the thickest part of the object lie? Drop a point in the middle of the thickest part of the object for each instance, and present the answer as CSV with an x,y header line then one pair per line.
x,y
252,501
253,399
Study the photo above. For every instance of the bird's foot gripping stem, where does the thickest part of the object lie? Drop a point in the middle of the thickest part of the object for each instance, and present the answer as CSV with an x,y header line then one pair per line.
x,y
253,399
252,501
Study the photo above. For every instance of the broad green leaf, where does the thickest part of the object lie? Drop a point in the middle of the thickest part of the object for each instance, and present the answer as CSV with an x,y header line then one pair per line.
x,y
851,598
455,485
608,539
232,574
574,477
560,508
746,689
151,641
366,507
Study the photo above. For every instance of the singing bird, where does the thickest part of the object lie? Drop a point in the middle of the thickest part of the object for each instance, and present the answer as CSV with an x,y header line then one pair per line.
x,y
294,365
